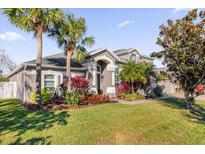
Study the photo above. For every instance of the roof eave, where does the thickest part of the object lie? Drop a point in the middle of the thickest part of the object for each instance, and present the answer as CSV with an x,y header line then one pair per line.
x,y
59,67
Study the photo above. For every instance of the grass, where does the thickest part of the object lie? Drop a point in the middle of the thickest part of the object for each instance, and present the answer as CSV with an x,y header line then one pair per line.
x,y
160,122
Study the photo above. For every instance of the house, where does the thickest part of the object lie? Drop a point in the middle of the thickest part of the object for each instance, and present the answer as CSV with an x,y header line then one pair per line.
x,y
169,88
100,67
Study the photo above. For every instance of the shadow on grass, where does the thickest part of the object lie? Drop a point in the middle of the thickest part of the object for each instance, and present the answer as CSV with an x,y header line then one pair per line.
x,y
174,102
16,119
32,141
197,114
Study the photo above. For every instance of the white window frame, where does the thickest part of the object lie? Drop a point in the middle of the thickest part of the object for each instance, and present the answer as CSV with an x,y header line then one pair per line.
x,y
45,80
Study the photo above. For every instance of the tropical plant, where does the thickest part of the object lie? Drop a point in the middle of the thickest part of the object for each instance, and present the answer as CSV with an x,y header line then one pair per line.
x,y
133,72
80,84
38,21
70,34
183,51
158,91
72,98
46,96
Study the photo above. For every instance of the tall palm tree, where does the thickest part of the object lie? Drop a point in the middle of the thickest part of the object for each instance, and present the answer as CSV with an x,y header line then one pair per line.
x,y
133,72
37,21
70,34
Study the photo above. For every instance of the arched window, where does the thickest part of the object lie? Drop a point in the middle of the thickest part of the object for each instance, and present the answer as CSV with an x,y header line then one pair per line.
x,y
98,69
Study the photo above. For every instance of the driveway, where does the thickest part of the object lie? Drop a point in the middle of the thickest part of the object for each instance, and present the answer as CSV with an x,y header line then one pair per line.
x,y
181,95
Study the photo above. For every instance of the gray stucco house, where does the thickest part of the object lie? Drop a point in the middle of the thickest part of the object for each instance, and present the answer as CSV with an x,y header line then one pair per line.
x,y
100,67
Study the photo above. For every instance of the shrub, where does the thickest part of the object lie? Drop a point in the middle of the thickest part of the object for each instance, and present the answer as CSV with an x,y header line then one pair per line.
x,y
72,98
79,84
97,99
122,88
46,96
132,97
57,98
158,91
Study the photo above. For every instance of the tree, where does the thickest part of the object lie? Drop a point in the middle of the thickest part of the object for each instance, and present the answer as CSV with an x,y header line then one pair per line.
x,y
37,21
70,34
133,72
183,43
6,64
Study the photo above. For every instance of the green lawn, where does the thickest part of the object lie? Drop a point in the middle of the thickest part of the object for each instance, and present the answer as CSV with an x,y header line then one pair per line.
x,y
162,122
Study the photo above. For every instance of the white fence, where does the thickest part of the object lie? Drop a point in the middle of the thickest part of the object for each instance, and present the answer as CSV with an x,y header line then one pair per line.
x,y
7,90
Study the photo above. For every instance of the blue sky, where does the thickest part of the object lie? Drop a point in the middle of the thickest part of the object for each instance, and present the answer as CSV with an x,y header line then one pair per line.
x,y
112,28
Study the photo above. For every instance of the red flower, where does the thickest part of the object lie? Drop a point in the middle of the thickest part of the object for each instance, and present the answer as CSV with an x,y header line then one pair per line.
x,y
122,87
199,88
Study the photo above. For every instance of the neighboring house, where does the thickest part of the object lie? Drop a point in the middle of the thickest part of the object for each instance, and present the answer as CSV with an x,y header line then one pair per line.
x,y
169,88
101,67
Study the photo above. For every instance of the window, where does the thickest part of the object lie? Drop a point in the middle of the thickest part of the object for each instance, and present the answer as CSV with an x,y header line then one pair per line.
x,y
65,78
133,57
98,69
49,82
117,78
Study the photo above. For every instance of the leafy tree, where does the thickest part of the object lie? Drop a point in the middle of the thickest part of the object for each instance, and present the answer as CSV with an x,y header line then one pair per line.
x,y
6,64
183,43
38,21
70,34
133,72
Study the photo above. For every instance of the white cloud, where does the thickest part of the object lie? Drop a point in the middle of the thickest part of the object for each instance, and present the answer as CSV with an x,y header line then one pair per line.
x,y
11,36
124,23
174,11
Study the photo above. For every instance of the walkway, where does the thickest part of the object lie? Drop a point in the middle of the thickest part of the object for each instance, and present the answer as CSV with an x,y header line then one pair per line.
x,y
181,95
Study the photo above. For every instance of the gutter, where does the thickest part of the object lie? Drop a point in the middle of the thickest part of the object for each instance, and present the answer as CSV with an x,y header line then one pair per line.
x,y
58,67
45,66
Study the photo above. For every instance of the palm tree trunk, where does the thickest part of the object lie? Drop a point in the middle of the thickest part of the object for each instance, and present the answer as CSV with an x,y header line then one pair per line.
x,y
38,66
132,87
68,69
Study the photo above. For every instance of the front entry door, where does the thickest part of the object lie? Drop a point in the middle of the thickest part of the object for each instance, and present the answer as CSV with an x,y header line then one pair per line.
x,y
98,83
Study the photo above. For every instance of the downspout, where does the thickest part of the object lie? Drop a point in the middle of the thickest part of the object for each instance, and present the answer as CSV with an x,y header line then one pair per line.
x,y
24,87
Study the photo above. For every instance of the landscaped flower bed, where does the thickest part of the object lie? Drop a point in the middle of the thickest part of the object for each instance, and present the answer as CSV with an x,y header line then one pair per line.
x,y
91,100
81,96
123,92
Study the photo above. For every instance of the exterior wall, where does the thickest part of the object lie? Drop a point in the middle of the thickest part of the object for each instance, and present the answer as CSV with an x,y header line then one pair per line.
x,y
107,73
127,56
30,80
19,78
169,88
26,80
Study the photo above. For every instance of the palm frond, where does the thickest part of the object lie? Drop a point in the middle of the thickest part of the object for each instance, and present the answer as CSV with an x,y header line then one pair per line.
x,y
80,53
88,41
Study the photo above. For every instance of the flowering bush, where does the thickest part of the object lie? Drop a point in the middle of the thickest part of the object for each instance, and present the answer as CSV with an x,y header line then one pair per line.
x,y
96,99
199,88
122,88
78,84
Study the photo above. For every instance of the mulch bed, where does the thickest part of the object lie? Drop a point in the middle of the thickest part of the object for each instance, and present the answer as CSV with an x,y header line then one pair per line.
x,y
32,106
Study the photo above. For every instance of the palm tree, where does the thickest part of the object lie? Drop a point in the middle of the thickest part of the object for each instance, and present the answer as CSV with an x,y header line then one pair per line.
x,y
37,21
70,34
133,72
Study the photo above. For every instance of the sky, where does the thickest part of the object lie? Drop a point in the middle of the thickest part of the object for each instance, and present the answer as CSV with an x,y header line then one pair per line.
x,y
111,28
